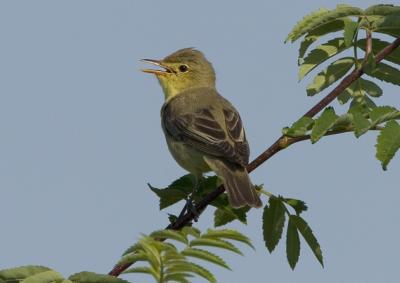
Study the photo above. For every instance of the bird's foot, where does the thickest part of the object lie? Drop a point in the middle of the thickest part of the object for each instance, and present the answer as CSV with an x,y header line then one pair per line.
x,y
191,207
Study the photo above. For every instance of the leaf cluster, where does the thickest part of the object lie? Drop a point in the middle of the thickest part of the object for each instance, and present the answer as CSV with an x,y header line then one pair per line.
x,y
166,263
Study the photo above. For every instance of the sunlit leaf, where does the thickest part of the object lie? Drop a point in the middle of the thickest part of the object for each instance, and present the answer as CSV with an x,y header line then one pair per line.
x,y
350,30
331,74
228,234
386,73
48,276
320,54
323,124
299,128
91,277
205,255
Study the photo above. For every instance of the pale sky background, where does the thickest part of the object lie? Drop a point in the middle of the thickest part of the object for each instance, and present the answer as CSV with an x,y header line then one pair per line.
x,y
81,137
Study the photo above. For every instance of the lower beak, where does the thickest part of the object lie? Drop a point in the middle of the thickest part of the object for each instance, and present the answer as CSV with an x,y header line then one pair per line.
x,y
158,63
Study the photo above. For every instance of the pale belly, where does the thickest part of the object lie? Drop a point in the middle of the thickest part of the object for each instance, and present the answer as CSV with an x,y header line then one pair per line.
x,y
187,157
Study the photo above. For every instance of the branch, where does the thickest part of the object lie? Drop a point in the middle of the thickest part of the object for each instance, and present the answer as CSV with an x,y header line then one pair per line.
x,y
281,143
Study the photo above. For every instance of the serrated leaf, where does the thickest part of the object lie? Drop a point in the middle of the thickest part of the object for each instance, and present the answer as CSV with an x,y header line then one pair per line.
x,y
169,234
228,214
343,123
228,234
292,244
303,26
371,88
187,230
273,222
21,272
320,31
361,124
179,189
298,205
321,17
49,276
382,10
308,235
388,143
177,277
320,54
144,270
131,258
350,30
382,113
299,128
205,255
91,277
331,74
386,73
217,243
183,266
378,45
344,97
387,24
323,124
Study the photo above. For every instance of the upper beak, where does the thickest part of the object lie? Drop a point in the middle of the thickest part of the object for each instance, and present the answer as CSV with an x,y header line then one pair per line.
x,y
165,69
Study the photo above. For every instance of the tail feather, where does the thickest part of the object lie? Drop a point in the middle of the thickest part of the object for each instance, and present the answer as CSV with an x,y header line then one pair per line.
x,y
237,183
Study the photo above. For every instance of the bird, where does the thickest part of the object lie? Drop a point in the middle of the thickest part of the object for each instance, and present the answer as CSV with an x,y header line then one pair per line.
x,y
203,130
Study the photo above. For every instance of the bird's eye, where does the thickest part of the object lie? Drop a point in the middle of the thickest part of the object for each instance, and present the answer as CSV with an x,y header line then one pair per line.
x,y
183,68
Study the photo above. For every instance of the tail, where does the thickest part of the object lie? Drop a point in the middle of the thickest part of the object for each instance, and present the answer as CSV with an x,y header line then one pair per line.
x,y
237,183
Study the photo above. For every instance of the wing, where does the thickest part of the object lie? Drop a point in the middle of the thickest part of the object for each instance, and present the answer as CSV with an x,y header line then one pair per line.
x,y
220,134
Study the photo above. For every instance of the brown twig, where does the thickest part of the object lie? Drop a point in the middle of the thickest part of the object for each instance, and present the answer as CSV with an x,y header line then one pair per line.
x,y
281,143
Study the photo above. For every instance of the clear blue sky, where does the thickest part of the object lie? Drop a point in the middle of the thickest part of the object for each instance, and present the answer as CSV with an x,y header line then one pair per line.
x,y
81,137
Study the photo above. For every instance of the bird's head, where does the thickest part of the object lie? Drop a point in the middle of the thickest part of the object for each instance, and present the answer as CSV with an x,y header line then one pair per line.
x,y
182,70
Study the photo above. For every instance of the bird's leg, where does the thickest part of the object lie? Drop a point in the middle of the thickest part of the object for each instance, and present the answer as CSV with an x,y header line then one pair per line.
x,y
190,205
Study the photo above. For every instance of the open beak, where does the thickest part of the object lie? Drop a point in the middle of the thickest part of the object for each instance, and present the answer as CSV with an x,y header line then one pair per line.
x,y
165,69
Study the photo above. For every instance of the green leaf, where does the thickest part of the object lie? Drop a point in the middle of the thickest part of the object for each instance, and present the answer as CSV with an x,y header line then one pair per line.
x,y
320,31
370,64
49,276
383,113
378,45
305,24
228,214
292,244
389,24
91,277
183,266
218,243
343,123
298,205
321,17
131,258
323,124
177,191
18,273
388,143
228,234
308,235
187,230
273,222
371,88
344,97
299,128
205,255
177,277
361,124
169,234
386,73
350,30
381,10
144,270
331,74
320,54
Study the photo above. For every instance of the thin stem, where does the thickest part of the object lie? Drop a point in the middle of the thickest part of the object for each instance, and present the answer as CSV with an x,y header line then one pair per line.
x,y
281,143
